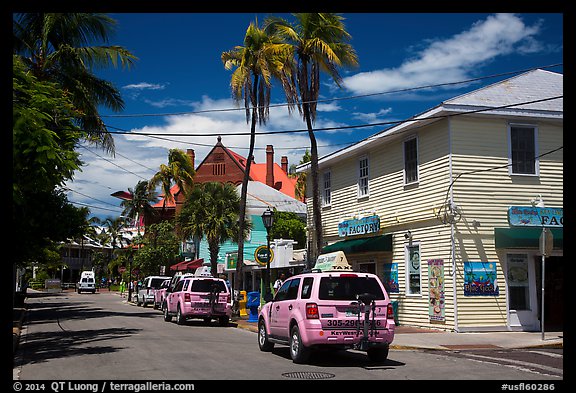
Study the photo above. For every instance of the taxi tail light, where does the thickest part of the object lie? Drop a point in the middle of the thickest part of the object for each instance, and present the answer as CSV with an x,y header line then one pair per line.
x,y
187,297
312,311
390,311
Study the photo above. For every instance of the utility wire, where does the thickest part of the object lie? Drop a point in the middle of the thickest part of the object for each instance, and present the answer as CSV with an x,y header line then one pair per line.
x,y
404,90
393,122
116,165
95,207
88,196
486,170
374,136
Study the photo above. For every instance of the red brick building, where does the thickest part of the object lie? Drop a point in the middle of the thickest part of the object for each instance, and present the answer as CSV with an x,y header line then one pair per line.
x,y
223,165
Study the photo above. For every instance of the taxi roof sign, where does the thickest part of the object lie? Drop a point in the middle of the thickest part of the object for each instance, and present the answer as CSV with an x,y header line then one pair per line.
x,y
333,261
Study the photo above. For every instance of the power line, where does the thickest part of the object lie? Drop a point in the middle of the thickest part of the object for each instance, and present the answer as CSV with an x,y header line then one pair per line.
x,y
116,165
88,196
487,170
95,207
392,122
404,90
396,122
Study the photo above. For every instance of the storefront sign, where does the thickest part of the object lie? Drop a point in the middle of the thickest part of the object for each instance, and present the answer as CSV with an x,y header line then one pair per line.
x,y
263,255
436,290
480,279
390,277
532,216
359,226
231,260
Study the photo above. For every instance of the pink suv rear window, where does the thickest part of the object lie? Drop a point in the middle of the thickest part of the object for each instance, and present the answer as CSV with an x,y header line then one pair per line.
x,y
347,287
207,285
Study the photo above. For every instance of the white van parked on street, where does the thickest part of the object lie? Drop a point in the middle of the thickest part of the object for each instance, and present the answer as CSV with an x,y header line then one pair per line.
x,y
87,282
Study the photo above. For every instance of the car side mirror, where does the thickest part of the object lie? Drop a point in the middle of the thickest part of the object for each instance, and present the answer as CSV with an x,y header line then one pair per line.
x,y
268,297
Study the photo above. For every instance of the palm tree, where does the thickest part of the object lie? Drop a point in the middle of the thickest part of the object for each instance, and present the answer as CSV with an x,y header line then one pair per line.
x,y
57,47
319,44
211,210
140,204
179,170
262,58
113,227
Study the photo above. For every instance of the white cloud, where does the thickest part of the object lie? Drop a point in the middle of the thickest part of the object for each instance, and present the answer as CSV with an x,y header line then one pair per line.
x,y
372,117
452,59
144,86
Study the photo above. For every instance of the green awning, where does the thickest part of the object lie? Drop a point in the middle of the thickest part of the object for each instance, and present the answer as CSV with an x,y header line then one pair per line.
x,y
525,237
365,244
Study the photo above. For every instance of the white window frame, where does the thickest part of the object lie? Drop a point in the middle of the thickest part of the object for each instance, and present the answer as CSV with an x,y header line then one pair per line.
x,y
536,159
410,139
366,177
407,268
327,191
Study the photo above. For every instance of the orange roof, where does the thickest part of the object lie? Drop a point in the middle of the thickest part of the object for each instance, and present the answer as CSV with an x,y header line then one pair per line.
x,y
258,173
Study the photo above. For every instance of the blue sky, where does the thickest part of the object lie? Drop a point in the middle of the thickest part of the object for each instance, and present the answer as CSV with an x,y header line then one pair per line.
x,y
178,88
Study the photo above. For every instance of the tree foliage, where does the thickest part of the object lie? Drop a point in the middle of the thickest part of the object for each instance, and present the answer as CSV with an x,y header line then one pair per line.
x,y
179,171
288,225
161,248
59,47
44,135
211,212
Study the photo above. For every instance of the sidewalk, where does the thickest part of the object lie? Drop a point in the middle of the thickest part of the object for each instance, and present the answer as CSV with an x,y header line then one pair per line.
x,y
407,337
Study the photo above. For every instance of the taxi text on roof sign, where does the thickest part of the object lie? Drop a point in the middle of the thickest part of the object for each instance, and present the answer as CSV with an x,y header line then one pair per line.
x,y
334,261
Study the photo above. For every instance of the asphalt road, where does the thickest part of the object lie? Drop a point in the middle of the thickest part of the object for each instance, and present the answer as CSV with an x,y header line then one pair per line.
x,y
70,336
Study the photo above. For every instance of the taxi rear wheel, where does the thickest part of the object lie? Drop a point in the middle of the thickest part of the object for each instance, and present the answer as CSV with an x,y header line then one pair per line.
x,y
263,342
298,352
223,321
180,319
379,354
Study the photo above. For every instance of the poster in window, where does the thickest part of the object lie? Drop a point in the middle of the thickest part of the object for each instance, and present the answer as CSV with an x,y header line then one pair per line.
x,y
436,290
390,278
413,270
480,279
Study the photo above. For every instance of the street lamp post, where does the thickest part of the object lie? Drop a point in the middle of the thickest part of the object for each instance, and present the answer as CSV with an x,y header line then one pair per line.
x,y
268,220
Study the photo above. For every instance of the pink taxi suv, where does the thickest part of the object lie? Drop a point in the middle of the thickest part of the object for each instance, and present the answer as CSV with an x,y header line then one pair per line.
x,y
160,294
338,309
205,298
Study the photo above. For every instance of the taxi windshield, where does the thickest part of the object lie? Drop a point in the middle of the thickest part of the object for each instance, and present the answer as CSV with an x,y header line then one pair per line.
x,y
348,287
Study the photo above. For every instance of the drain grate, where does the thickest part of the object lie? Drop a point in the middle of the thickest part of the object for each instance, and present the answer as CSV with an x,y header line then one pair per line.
x,y
308,375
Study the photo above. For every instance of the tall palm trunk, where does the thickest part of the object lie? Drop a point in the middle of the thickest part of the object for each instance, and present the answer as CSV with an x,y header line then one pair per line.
x,y
244,192
214,249
307,89
316,211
